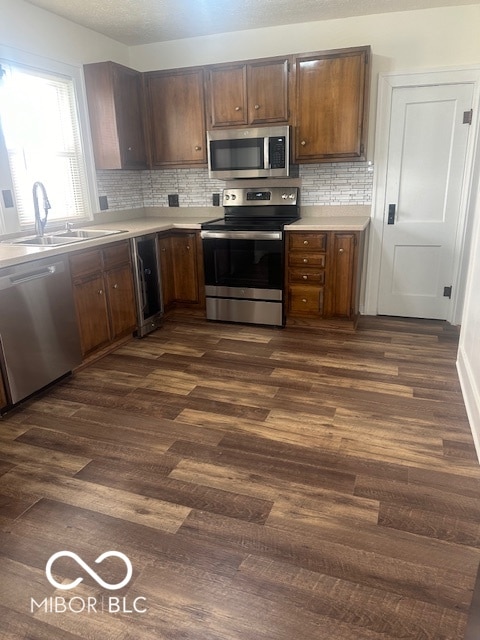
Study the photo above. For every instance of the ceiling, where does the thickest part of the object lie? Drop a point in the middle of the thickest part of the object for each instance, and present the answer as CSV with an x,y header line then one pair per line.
x,y
136,22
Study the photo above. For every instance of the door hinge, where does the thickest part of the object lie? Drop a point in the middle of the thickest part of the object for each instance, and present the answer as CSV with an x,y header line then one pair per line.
x,y
467,117
447,292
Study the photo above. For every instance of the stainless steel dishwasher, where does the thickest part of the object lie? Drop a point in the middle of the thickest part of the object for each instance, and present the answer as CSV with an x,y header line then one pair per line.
x,y
39,339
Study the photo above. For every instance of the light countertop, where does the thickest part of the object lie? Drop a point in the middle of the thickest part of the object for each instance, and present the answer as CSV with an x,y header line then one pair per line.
x,y
131,227
330,223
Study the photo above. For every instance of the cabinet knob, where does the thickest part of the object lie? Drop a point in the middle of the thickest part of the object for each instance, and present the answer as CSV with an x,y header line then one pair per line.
x,y
305,260
237,108
100,292
256,107
341,251
188,247
303,143
304,300
305,242
305,277
129,149
197,148
115,286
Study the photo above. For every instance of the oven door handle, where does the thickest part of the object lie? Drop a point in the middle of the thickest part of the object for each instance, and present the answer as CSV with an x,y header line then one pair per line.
x,y
242,235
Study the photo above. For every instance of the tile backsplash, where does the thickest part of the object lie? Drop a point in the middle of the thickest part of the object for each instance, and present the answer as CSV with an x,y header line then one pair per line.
x,y
339,183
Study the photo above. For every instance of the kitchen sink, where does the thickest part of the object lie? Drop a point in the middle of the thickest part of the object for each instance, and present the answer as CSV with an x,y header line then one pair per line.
x,y
86,234
41,241
63,237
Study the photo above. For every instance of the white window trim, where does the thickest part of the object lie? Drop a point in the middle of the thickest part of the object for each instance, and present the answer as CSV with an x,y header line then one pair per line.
x,y
9,222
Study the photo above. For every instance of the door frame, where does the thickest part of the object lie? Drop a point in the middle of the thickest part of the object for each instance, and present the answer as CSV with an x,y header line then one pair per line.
x,y
387,82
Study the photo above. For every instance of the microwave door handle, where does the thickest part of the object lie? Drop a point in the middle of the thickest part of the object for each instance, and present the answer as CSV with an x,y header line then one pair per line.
x,y
266,153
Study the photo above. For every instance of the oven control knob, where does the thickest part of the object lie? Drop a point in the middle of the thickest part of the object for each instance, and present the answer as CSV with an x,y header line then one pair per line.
x,y
227,197
292,196
284,196
234,197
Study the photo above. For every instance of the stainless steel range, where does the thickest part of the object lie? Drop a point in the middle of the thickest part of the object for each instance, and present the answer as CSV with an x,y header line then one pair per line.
x,y
244,255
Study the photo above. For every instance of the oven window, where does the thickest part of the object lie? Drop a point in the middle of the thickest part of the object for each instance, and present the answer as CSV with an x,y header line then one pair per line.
x,y
243,263
226,155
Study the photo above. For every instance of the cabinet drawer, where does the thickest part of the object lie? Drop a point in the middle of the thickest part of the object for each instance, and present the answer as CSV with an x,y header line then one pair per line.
x,y
306,276
85,263
116,254
307,241
307,259
305,299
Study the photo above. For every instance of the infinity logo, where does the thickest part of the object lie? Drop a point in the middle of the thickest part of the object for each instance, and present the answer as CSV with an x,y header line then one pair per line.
x,y
91,572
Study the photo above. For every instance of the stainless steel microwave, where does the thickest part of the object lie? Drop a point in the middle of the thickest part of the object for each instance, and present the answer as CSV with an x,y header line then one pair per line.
x,y
261,152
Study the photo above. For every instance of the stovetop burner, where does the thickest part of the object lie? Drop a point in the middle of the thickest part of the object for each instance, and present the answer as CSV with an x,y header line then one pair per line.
x,y
245,224
254,209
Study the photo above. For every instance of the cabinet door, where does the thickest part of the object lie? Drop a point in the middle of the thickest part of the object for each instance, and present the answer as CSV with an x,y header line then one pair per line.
x,y
176,118
228,95
343,276
115,98
166,271
129,110
267,84
92,313
121,300
331,106
185,275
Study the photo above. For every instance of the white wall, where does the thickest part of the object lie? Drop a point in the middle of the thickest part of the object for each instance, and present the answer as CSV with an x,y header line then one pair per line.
x,y
402,40
469,349
33,30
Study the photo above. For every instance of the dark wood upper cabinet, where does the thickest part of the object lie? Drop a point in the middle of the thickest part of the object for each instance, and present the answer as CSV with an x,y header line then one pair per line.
x,y
175,108
115,106
331,105
252,93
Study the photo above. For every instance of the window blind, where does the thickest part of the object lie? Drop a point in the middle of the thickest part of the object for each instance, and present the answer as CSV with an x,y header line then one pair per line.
x,y
40,123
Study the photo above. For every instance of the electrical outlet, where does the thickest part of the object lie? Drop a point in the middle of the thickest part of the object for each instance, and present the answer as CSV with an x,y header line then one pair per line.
x,y
216,199
7,198
103,201
173,200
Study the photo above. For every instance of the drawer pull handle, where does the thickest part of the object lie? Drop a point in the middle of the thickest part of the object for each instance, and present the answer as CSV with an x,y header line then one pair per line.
x,y
198,148
303,143
237,108
305,260
304,300
305,277
256,107
305,242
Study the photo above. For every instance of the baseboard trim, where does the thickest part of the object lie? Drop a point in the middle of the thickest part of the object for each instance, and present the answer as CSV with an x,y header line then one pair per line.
x,y
471,396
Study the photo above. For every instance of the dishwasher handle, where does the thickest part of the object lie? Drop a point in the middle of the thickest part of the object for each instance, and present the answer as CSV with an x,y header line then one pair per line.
x,y
24,276
33,275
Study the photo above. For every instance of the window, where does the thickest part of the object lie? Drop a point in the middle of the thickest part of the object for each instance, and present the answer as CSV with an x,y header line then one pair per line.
x,y
42,140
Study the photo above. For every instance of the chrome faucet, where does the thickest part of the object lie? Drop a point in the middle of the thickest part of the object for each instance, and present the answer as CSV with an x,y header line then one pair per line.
x,y
40,223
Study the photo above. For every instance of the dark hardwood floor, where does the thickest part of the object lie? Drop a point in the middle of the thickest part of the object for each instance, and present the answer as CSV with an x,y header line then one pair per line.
x,y
290,484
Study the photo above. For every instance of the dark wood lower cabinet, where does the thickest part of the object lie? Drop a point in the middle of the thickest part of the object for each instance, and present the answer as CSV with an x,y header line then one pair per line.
x,y
323,274
104,295
181,264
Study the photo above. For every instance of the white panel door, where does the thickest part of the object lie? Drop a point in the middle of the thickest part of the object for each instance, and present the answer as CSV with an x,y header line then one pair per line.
x,y
426,165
